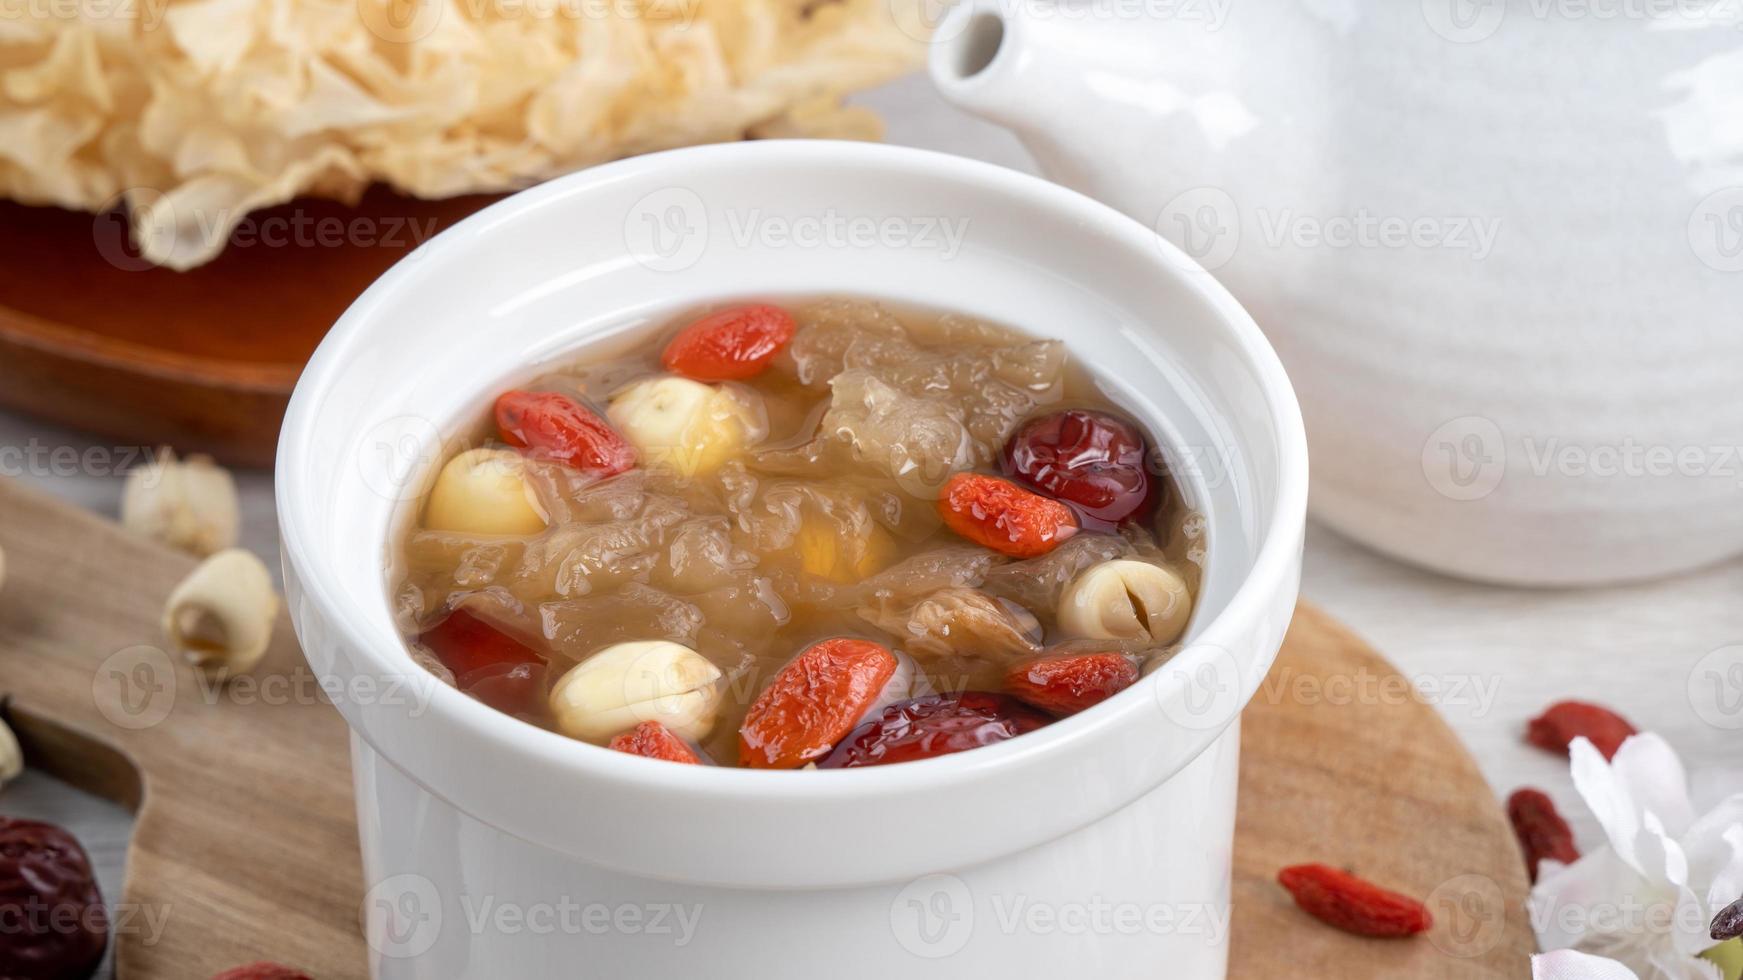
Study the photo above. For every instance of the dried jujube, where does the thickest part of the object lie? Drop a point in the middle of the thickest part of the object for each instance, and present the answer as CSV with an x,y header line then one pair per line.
x,y
1096,462
53,925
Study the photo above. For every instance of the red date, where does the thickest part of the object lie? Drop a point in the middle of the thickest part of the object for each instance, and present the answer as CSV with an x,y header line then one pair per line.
x,y
1095,462
489,664
935,725
55,926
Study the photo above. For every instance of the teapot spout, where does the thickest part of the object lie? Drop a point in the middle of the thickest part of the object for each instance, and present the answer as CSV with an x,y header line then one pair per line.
x,y
1030,74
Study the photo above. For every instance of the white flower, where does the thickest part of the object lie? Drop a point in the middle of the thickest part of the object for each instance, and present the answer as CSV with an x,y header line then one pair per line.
x,y
1647,899
1566,964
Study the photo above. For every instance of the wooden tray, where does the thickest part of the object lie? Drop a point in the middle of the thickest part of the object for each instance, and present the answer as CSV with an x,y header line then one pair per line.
x,y
246,834
93,337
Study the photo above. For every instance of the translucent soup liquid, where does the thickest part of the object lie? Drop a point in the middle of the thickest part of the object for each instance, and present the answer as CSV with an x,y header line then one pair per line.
x,y
763,515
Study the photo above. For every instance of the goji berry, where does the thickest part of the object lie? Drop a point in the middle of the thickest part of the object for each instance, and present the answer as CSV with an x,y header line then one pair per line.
x,y
551,425
1728,924
814,701
1557,727
1541,830
1002,516
262,971
730,345
938,724
1069,684
1344,901
652,740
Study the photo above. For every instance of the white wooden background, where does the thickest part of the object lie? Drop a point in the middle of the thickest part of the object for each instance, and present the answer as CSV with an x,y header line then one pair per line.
x,y
1496,655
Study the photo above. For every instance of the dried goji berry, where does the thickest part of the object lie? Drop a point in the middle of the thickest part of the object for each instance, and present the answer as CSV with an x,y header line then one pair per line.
x,y
1069,684
652,740
1557,727
1347,902
551,425
1003,516
935,725
1728,924
814,701
1541,830
730,345
262,971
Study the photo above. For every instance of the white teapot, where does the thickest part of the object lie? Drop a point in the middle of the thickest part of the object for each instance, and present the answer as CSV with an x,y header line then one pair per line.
x,y
1498,244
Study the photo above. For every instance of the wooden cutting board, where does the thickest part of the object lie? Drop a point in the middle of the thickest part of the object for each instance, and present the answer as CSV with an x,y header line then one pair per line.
x,y
245,846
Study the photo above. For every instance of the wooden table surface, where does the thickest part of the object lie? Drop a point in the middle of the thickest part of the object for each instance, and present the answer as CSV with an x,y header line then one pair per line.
x,y
1494,655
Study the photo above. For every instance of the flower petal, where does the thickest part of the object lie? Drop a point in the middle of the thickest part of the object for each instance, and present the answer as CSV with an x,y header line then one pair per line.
x,y
1567,905
1654,775
1565,964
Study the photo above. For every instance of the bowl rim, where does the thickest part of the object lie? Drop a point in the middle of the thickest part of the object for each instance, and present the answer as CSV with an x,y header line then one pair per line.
x,y
1275,565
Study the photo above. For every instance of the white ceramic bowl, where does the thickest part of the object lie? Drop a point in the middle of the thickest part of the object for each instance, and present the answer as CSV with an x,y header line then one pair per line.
x,y
493,848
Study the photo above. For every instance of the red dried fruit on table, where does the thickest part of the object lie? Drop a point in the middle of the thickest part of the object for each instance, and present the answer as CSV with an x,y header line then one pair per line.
x,y
652,740
935,725
814,701
53,925
730,345
1541,830
262,971
1096,462
1346,902
1002,516
1557,727
551,425
1066,685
